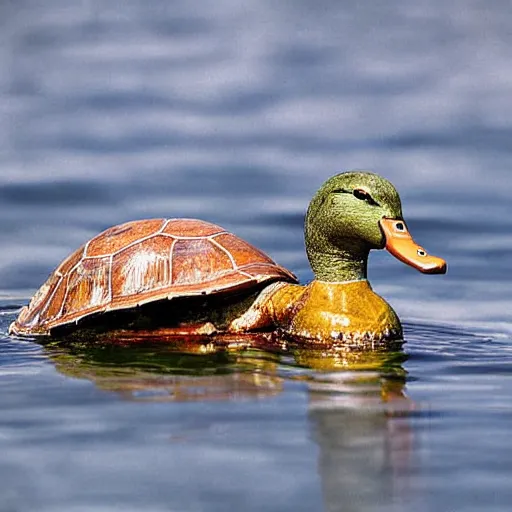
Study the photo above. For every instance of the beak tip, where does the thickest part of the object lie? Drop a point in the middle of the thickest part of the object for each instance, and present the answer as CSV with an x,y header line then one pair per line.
x,y
435,268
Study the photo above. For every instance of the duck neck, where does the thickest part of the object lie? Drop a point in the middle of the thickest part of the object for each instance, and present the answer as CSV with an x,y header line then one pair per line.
x,y
343,262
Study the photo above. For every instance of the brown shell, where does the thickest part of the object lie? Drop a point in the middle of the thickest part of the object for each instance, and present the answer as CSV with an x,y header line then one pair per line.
x,y
143,261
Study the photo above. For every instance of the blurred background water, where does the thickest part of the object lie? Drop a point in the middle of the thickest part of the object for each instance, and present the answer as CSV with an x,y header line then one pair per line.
x,y
236,112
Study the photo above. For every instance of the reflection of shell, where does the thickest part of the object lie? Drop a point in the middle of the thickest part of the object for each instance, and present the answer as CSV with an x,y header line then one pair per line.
x,y
165,375
235,386
145,261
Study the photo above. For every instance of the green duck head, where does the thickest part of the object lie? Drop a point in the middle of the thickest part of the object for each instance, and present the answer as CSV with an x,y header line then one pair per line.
x,y
352,213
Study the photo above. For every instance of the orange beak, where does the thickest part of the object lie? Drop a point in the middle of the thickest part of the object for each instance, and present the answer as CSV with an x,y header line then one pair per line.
x,y
400,244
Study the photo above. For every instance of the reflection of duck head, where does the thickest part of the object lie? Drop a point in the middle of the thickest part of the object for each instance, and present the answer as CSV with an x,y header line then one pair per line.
x,y
358,411
382,369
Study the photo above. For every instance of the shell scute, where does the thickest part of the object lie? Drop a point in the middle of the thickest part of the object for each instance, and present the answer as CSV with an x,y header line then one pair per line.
x,y
55,304
71,261
198,261
142,267
116,238
241,251
88,286
191,227
260,270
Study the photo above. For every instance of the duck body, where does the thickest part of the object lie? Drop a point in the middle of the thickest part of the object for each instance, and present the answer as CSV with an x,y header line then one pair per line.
x,y
349,312
190,277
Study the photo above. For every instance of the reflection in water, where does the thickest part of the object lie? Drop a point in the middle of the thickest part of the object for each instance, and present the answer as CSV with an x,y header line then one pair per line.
x,y
156,372
359,419
358,409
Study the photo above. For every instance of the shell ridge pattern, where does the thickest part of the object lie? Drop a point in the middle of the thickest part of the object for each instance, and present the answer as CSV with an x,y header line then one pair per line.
x,y
211,237
66,293
199,223
34,320
228,253
246,274
198,237
98,292
145,270
131,244
41,295
258,263
49,299
171,249
110,270
164,225
97,296
84,254
70,271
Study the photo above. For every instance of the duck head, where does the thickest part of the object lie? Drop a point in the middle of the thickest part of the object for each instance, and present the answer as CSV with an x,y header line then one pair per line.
x,y
352,213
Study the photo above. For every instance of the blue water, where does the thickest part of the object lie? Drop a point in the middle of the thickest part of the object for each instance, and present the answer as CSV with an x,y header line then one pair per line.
x,y
235,112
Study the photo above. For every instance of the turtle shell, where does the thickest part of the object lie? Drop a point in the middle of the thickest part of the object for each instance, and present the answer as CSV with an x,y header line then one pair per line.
x,y
144,261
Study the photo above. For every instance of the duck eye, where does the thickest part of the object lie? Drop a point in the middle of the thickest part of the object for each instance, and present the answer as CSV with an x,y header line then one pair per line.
x,y
364,196
360,194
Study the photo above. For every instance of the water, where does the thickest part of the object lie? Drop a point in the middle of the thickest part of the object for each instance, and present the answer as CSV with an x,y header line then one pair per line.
x,y
235,113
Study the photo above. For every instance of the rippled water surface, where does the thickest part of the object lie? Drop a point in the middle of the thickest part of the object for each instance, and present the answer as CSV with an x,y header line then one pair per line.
x,y
236,112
